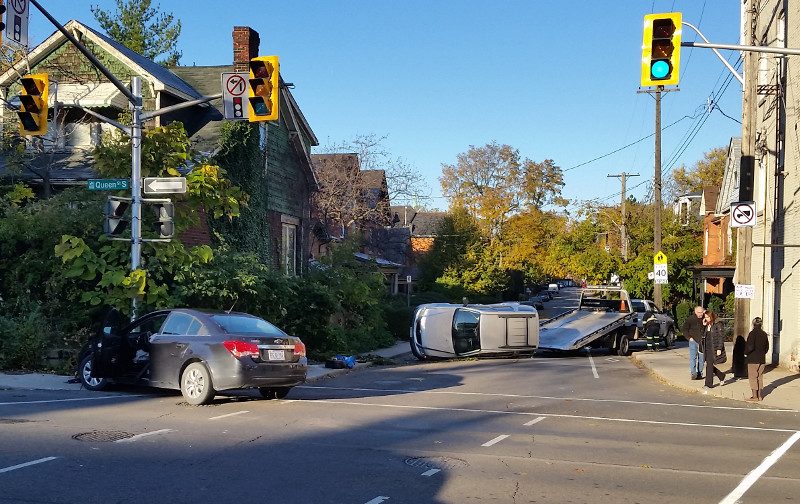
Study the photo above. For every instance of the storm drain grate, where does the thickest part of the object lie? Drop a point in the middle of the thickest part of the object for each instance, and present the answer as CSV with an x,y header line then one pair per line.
x,y
102,436
435,462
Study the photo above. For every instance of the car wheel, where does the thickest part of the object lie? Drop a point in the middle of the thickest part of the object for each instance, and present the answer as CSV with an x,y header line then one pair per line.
x,y
87,380
414,350
274,393
623,347
669,338
196,385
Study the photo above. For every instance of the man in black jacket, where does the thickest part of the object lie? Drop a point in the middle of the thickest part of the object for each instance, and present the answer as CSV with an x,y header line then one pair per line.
x,y
693,333
755,354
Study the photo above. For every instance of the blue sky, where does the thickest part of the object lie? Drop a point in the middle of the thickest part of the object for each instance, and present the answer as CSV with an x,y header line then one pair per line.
x,y
556,80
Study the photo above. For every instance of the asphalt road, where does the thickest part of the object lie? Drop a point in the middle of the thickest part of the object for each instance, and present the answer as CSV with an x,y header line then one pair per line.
x,y
583,428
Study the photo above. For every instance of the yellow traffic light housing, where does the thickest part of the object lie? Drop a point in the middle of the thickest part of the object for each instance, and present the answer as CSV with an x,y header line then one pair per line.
x,y
263,92
33,105
661,49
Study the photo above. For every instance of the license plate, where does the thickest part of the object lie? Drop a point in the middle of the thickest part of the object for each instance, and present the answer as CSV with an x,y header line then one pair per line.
x,y
275,355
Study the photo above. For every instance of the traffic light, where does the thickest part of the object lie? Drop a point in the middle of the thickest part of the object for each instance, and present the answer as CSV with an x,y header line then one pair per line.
x,y
164,226
33,105
2,13
263,92
116,221
661,49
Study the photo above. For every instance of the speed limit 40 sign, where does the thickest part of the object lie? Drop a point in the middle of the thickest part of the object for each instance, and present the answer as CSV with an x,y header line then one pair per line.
x,y
660,268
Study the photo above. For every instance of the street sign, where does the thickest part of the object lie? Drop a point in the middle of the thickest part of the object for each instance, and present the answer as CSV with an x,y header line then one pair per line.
x,y
109,184
745,291
17,21
234,94
164,185
743,214
660,268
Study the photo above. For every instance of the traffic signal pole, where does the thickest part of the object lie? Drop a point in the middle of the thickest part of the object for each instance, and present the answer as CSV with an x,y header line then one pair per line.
x,y
657,196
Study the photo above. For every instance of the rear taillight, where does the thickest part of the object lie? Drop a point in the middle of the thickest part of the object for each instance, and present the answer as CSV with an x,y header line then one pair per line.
x,y
300,350
242,349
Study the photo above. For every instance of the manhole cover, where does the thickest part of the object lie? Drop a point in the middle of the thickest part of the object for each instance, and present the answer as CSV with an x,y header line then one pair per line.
x,y
435,462
102,436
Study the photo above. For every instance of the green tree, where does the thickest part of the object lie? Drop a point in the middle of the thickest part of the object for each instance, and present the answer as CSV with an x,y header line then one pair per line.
x,y
706,172
143,29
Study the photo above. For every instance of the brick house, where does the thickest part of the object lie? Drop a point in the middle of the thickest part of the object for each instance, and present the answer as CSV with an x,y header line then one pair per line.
x,y
63,157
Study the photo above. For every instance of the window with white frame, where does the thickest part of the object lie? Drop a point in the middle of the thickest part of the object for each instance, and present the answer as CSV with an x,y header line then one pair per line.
x,y
289,245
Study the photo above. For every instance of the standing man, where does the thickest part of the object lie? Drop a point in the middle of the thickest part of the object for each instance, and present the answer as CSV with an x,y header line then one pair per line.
x,y
755,352
693,332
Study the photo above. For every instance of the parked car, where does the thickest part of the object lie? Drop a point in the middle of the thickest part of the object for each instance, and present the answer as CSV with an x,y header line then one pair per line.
x,y
666,323
553,287
196,352
546,295
451,330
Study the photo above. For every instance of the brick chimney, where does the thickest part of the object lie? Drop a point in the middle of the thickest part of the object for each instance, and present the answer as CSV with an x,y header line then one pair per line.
x,y
245,47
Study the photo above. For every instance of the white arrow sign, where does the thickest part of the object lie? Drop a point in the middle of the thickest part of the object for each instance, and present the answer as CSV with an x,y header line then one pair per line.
x,y
163,185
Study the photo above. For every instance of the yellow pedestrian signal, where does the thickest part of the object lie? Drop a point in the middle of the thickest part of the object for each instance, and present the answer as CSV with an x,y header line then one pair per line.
x,y
33,105
661,49
263,92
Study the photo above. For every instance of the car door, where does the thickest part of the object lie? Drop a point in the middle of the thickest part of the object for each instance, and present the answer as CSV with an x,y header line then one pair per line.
x,y
125,351
170,346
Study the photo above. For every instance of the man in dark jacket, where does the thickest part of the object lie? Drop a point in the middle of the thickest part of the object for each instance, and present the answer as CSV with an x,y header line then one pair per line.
x,y
755,354
693,333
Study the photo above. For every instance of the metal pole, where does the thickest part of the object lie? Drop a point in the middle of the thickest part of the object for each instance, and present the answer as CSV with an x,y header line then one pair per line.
x,y
136,181
657,196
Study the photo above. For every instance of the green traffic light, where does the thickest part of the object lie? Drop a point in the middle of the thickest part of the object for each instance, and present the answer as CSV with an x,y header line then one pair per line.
x,y
659,69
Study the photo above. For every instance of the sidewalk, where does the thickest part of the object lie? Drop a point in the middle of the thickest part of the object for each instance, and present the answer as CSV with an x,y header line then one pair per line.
x,y
781,387
44,381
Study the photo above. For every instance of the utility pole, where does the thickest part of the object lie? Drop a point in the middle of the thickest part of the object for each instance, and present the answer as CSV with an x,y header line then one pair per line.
x,y
624,226
744,240
657,196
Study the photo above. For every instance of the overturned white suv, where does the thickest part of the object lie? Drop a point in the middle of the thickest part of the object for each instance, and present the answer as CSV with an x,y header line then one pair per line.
x,y
450,330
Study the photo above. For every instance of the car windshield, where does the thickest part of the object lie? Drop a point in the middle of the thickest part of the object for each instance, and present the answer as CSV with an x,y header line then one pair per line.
x,y
251,325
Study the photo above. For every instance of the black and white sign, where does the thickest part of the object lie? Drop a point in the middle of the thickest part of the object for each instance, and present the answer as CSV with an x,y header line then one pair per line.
x,y
234,93
164,185
17,21
745,291
743,214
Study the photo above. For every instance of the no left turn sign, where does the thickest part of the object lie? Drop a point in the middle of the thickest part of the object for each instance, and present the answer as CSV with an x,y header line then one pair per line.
x,y
743,214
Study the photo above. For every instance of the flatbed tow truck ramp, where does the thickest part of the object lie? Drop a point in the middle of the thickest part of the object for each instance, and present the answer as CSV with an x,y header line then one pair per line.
x,y
599,320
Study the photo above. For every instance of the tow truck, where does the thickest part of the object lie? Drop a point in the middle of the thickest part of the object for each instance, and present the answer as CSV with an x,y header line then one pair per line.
x,y
601,319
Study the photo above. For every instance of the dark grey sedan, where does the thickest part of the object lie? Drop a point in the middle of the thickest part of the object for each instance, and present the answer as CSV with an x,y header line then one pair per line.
x,y
197,352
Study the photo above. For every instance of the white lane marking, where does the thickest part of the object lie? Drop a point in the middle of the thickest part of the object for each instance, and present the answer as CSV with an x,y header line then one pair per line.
x,y
430,472
553,415
495,440
378,500
49,401
229,415
759,471
140,436
26,464
557,398
534,421
591,361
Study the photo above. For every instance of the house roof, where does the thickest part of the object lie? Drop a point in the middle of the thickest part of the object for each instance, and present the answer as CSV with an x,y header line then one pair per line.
x,y
159,77
426,223
709,202
204,128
